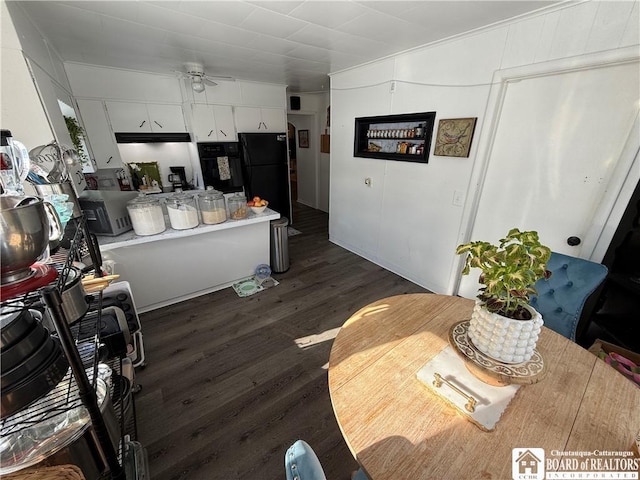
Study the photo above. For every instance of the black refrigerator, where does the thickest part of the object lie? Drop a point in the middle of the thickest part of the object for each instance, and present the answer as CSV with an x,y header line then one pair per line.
x,y
266,169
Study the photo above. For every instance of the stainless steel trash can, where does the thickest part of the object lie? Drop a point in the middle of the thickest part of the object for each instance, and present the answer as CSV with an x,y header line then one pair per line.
x,y
280,245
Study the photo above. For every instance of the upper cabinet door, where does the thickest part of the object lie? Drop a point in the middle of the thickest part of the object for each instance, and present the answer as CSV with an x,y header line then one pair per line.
x,y
273,120
204,123
248,119
225,125
128,117
213,123
255,119
166,118
140,117
101,140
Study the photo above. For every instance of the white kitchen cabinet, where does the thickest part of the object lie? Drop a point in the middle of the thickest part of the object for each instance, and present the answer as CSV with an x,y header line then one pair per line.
x,y
213,123
101,141
274,119
255,119
128,117
140,117
166,118
225,123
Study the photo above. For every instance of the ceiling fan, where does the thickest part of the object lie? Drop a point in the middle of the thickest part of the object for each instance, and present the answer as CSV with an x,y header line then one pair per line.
x,y
195,72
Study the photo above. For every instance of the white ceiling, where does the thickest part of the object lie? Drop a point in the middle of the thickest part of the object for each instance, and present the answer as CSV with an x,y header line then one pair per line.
x,y
292,42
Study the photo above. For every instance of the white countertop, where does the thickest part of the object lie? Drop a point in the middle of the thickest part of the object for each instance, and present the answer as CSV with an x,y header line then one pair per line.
x,y
129,238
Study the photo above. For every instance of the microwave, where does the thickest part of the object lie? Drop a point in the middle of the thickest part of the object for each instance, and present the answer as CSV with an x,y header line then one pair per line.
x,y
106,211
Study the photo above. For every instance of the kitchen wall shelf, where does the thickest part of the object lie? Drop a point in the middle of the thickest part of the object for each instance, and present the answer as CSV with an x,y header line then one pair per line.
x,y
404,137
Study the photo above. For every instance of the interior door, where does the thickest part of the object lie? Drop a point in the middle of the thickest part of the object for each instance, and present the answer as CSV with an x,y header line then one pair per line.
x,y
556,157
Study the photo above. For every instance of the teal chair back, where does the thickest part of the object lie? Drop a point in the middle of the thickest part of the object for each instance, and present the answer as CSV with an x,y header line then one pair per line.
x,y
301,463
562,296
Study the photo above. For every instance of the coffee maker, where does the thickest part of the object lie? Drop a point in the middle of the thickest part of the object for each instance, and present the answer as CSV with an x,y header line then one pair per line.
x,y
178,178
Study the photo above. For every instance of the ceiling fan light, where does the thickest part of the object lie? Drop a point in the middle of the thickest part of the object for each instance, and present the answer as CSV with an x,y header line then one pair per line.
x,y
197,85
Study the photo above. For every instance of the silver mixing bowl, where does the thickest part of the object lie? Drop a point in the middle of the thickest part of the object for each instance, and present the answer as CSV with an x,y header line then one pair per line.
x,y
24,235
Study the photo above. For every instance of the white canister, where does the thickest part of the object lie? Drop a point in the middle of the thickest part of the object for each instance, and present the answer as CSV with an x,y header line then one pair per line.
x,y
182,210
212,207
146,215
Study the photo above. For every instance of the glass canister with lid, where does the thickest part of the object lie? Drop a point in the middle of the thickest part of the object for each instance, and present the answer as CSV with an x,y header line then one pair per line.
x,y
147,217
183,213
212,207
237,204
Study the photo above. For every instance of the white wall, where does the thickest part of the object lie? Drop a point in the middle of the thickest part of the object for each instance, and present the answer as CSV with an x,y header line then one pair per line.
x,y
167,155
33,80
406,221
21,108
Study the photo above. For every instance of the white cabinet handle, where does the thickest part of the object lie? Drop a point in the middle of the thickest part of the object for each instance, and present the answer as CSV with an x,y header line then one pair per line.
x,y
210,132
158,124
110,158
143,122
223,133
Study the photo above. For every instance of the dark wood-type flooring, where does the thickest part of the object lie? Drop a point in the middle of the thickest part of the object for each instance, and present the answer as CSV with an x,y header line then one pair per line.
x,y
231,382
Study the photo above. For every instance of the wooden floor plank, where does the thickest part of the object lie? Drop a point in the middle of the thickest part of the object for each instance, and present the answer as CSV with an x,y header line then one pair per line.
x,y
227,388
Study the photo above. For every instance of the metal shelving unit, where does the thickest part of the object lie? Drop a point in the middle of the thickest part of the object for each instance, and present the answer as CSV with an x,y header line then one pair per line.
x,y
80,386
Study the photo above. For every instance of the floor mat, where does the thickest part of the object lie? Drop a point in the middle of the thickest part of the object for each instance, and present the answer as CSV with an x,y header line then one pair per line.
x,y
292,231
251,285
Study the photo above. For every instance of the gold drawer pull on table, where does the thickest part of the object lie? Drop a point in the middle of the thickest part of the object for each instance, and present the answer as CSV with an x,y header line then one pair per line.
x,y
471,402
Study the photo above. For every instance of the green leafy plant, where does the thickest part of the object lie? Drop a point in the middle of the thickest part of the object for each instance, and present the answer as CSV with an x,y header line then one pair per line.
x,y
76,132
509,271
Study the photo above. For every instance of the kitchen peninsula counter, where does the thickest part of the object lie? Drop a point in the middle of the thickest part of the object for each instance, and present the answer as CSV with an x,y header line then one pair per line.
x,y
129,238
177,265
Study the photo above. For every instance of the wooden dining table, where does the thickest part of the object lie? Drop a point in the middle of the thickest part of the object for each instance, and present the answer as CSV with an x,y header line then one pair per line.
x,y
396,428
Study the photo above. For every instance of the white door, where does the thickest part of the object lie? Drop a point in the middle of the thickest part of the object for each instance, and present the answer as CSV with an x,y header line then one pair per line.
x,y
560,188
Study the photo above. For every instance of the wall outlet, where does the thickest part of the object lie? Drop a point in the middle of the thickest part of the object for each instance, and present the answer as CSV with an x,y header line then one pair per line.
x,y
367,181
458,198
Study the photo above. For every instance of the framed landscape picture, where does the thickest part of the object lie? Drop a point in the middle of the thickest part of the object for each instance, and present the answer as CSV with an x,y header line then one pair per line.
x,y
454,137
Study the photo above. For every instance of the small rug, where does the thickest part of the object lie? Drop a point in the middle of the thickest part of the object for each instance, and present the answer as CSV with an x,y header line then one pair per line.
x,y
251,285
292,231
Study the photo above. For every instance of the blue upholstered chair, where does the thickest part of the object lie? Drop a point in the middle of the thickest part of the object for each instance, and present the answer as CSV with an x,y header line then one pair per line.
x,y
561,298
301,463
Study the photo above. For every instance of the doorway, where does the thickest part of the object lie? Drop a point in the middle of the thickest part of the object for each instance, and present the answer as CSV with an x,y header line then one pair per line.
x,y
572,182
293,162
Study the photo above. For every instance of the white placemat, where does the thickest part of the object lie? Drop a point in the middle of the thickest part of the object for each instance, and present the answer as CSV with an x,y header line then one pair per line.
x,y
491,401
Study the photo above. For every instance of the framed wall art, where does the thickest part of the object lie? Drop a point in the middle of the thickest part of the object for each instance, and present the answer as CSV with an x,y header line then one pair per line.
x,y
303,138
454,137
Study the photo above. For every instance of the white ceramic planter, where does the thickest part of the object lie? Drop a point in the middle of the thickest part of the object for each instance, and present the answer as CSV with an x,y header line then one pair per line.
x,y
504,339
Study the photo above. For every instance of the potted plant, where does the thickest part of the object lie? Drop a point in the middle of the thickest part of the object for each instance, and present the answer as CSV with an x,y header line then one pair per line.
x,y
76,132
503,325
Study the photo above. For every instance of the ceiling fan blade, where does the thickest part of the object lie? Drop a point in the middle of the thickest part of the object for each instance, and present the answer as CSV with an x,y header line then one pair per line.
x,y
209,82
218,77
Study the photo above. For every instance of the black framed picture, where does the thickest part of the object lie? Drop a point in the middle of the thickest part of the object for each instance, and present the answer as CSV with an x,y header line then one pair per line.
x,y
303,138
